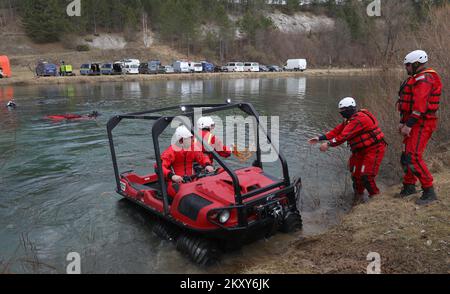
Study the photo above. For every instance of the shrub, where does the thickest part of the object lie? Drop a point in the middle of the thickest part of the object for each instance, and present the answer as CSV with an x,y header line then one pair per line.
x,y
83,47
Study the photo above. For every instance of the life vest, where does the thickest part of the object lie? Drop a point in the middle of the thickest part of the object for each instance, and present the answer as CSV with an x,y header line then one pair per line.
x,y
406,97
371,134
207,134
207,138
183,163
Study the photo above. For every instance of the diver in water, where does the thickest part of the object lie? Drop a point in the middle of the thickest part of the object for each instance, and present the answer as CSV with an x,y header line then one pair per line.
x,y
11,104
94,114
60,117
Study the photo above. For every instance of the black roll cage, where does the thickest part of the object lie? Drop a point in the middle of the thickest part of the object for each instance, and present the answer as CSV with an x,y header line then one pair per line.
x,y
162,122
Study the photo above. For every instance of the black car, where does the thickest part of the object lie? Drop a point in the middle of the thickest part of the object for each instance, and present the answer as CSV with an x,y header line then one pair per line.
x,y
274,68
263,68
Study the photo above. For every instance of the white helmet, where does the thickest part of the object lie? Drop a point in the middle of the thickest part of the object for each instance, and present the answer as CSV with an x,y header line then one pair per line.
x,y
416,56
205,122
347,102
182,133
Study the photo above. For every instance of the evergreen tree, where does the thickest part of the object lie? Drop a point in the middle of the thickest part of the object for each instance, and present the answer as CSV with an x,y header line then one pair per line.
x,y
43,20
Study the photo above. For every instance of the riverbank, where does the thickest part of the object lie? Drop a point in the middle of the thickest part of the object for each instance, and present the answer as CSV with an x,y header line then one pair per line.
x,y
409,238
26,77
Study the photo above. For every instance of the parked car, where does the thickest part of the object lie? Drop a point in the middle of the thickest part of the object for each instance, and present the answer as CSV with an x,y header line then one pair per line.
x,y
107,69
263,68
118,68
234,67
154,66
208,67
195,67
181,66
251,67
90,69
296,65
151,67
274,68
131,66
167,69
143,68
46,69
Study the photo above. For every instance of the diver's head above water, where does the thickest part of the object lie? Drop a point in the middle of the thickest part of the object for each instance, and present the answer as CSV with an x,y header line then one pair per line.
x,y
11,104
94,114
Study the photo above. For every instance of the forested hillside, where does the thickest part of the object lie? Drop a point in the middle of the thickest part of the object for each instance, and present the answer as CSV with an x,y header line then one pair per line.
x,y
227,29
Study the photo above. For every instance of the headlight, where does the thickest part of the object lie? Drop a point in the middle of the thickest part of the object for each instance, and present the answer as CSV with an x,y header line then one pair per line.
x,y
224,216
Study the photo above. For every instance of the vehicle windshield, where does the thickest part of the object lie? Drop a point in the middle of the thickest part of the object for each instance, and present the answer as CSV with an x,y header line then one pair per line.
x,y
85,66
109,65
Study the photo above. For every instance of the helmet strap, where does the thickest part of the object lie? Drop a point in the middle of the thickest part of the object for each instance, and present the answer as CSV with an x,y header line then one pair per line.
x,y
415,67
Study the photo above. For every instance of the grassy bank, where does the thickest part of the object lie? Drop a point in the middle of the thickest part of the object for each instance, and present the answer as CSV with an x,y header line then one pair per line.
x,y
27,78
410,239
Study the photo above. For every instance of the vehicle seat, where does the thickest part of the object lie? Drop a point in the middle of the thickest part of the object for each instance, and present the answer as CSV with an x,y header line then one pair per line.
x,y
153,187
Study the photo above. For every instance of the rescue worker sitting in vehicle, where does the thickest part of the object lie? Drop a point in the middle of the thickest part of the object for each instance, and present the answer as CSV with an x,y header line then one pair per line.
x,y
366,140
178,160
206,126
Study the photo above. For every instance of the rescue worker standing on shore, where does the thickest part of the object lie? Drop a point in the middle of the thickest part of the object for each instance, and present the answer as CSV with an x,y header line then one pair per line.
x,y
419,99
206,126
366,140
178,160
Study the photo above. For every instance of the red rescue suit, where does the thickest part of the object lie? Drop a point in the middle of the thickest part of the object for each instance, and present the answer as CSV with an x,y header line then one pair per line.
x,y
418,103
216,144
180,162
366,141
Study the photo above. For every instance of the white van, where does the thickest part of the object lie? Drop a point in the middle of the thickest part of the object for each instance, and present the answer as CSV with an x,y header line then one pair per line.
x,y
251,66
195,67
131,66
234,67
296,65
181,66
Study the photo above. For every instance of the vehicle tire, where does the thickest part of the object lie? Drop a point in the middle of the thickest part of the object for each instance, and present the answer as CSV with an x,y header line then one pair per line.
x,y
166,232
200,251
292,223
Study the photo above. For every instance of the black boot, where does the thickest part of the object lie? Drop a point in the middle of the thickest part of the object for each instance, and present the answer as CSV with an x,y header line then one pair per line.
x,y
407,190
428,196
358,199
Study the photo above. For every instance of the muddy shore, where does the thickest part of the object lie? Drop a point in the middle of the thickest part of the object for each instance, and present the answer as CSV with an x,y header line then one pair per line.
x,y
26,77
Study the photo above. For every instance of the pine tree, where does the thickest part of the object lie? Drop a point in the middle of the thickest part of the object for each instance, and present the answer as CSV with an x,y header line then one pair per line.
x,y
43,20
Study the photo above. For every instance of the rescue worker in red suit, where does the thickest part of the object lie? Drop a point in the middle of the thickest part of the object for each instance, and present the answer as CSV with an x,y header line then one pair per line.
x,y
366,140
206,126
178,160
419,99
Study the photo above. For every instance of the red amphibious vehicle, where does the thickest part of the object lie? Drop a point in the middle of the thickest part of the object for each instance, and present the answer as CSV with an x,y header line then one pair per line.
x,y
214,212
